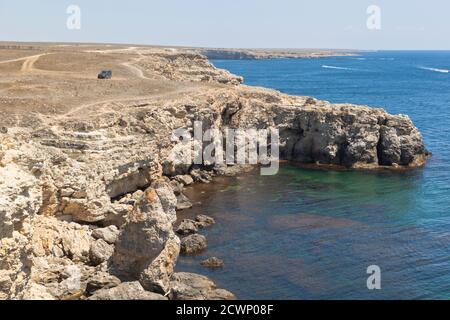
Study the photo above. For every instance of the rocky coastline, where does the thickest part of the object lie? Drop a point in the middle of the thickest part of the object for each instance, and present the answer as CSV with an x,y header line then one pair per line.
x,y
89,201
260,54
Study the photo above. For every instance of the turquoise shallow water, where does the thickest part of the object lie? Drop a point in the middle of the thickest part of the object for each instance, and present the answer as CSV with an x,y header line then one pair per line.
x,y
311,234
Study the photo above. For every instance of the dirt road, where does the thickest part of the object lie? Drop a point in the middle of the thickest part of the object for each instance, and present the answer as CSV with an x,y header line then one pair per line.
x,y
28,62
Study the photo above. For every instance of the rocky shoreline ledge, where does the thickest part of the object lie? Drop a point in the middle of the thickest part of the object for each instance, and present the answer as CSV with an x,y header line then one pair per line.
x,y
89,199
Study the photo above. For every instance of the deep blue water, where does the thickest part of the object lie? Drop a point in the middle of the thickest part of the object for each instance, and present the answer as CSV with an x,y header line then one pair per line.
x,y
311,234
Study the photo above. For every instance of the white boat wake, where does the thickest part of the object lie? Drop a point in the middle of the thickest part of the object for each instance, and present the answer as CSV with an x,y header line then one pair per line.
x,y
338,68
435,70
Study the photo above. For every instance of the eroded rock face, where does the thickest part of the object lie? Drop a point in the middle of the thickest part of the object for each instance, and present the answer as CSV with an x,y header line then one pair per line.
x,y
55,238
186,66
345,135
167,198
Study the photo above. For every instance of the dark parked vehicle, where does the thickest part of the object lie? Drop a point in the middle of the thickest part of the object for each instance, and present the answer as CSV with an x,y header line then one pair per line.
x,y
105,74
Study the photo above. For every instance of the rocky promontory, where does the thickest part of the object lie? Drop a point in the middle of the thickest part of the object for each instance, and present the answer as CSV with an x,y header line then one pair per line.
x,y
90,177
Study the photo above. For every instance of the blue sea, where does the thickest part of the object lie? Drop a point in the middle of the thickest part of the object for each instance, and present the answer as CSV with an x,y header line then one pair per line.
x,y
311,234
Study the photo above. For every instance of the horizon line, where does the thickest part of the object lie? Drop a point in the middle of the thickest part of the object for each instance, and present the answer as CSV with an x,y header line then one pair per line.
x,y
212,47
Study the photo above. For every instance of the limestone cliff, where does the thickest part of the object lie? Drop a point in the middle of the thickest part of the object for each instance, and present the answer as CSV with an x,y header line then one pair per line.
x,y
64,181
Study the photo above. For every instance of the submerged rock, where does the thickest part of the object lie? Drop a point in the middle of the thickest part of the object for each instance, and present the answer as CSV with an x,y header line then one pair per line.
x,y
193,244
213,263
203,221
190,286
232,170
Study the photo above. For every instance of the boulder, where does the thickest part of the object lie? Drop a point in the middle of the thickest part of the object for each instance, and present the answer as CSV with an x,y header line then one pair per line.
x,y
203,221
101,280
5,283
85,210
177,187
183,202
232,170
126,291
187,227
185,179
109,234
190,286
100,251
156,277
201,176
148,248
193,244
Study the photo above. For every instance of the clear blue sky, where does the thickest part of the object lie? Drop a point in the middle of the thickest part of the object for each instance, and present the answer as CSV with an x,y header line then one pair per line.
x,y
413,24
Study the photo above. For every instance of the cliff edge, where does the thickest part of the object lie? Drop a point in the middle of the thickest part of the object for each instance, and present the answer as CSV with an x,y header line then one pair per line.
x,y
88,181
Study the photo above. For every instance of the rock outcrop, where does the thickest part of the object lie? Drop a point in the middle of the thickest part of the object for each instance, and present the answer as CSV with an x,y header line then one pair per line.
x,y
148,248
186,65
